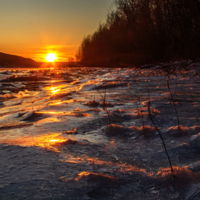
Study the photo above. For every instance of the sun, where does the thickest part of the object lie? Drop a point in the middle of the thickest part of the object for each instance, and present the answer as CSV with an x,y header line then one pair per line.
x,y
51,57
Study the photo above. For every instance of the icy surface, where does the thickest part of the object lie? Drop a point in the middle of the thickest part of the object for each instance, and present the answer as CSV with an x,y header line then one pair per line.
x,y
85,133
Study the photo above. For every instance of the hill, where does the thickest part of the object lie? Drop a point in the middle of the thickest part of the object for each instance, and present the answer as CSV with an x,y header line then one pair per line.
x,y
7,60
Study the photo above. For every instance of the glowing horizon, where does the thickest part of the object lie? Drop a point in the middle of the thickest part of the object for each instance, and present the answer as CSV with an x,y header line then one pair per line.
x,y
58,27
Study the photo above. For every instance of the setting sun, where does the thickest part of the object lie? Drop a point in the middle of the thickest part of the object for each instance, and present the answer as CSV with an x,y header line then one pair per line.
x,y
51,57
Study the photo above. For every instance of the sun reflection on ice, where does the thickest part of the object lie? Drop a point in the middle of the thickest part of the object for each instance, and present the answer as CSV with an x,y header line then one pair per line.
x,y
121,167
48,141
69,113
55,90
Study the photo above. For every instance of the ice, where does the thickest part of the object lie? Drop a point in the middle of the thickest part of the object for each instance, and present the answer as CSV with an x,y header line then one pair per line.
x,y
12,102
6,91
53,143
18,85
88,87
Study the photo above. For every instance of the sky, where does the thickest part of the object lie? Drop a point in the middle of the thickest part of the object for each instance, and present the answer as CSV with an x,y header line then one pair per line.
x,y
33,28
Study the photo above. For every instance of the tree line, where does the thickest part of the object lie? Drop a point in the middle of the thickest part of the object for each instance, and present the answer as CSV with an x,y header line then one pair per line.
x,y
144,31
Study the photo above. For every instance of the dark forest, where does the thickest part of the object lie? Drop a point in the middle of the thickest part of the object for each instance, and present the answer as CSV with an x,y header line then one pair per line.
x,y
138,32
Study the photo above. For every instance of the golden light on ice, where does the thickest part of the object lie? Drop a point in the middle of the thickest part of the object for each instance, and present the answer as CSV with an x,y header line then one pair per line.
x,y
51,57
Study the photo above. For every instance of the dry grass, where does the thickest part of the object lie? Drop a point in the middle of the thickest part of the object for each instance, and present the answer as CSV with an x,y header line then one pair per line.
x,y
183,176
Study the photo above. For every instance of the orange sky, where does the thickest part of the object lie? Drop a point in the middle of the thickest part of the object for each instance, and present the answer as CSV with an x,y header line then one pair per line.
x,y
33,28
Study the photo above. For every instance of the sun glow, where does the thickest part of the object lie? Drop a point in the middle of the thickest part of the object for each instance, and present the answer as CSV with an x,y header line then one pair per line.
x,y
47,141
51,57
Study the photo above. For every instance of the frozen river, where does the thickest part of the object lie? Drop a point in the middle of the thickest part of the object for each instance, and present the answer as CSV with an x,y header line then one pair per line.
x,y
85,133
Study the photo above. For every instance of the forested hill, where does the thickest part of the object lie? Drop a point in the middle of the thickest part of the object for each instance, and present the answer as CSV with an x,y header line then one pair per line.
x,y
144,31
7,60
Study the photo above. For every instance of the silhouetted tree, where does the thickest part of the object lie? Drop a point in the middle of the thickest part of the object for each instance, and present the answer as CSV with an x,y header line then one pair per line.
x,y
144,31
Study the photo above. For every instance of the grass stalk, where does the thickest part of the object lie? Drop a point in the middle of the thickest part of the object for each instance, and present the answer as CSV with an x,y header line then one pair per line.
x,y
168,85
165,148
141,115
104,103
